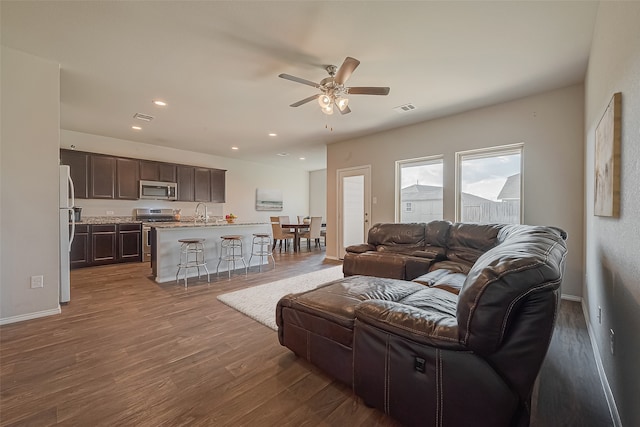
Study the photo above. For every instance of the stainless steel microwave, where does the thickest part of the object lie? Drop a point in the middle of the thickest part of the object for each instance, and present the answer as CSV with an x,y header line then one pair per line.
x,y
158,190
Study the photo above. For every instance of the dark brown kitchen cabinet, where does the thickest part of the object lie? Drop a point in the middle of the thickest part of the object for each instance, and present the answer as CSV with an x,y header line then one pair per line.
x,y
157,171
185,179
80,255
100,244
127,177
103,177
78,162
218,185
202,185
129,242
103,244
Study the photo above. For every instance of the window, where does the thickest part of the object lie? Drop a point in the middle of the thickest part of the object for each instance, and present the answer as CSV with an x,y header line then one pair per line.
x,y
489,185
419,189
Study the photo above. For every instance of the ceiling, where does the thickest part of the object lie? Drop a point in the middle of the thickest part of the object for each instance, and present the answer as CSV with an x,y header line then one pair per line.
x,y
217,63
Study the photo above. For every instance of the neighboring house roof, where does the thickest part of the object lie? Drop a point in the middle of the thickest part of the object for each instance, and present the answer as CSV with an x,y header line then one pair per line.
x,y
417,192
511,188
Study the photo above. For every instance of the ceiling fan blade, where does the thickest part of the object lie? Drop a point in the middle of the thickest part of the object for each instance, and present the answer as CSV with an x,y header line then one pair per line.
x,y
299,80
304,101
363,90
345,70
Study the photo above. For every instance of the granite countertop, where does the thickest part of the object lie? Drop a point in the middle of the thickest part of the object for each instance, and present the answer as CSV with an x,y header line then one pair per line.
x,y
184,224
109,220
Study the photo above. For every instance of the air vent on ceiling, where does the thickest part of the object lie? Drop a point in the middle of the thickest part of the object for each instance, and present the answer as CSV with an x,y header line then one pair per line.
x,y
283,154
405,108
143,117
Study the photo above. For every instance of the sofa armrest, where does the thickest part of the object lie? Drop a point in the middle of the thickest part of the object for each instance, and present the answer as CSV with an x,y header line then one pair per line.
x,y
361,248
424,326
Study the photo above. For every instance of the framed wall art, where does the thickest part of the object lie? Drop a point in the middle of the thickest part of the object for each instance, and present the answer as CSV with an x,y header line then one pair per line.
x,y
607,161
268,200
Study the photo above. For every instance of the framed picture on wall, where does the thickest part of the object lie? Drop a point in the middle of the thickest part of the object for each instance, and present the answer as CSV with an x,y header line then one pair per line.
x,y
607,161
268,200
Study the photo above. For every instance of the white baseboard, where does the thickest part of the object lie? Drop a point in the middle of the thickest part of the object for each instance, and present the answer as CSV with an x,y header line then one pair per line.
x,y
613,409
571,298
29,316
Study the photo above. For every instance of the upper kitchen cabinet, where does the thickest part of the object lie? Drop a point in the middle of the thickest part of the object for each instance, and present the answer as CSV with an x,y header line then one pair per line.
x,y
157,171
202,185
127,177
218,185
185,178
78,162
102,182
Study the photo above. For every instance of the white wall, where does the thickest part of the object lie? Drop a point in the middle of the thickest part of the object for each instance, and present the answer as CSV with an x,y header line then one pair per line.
x,y
318,193
242,180
550,125
29,183
613,244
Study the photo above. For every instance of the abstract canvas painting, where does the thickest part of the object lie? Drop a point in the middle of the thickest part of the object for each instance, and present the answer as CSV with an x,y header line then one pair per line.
x,y
607,161
268,200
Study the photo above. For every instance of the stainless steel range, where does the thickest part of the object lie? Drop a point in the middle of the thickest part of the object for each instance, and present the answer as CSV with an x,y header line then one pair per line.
x,y
149,216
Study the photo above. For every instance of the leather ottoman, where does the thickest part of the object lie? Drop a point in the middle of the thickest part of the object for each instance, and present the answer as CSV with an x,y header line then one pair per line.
x,y
318,325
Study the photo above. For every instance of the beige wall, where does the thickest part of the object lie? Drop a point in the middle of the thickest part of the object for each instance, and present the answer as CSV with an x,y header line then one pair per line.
x,y
242,180
551,127
318,193
612,255
29,182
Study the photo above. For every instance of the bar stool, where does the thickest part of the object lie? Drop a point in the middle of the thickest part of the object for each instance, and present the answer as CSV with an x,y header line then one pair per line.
x,y
231,251
261,247
191,256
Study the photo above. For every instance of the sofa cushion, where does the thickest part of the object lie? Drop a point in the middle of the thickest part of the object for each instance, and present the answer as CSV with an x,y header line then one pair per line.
x,y
443,279
393,237
426,316
467,242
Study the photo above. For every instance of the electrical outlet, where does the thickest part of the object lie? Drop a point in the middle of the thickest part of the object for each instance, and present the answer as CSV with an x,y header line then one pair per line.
x,y
612,341
109,212
37,282
599,315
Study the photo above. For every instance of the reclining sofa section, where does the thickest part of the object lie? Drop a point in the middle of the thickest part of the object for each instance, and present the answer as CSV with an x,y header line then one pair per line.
x,y
460,345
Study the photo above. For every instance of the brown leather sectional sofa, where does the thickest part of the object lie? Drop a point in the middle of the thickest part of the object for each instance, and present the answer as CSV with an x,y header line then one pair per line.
x,y
460,345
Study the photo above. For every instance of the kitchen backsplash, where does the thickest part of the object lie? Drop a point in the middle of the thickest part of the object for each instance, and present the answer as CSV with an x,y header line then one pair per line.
x,y
125,208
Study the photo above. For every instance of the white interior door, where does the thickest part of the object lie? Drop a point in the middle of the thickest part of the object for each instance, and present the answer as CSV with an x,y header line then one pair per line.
x,y
354,206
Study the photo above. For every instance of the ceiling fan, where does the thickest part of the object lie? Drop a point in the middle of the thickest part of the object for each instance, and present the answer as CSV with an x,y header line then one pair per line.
x,y
332,88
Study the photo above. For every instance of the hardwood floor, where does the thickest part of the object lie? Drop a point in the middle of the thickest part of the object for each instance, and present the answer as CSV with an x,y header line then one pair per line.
x,y
127,351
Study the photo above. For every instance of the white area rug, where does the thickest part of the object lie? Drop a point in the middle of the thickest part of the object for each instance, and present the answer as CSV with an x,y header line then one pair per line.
x,y
259,302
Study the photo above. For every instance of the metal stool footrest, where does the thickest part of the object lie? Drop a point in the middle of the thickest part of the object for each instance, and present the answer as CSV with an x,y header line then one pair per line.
x,y
261,247
191,256
231,251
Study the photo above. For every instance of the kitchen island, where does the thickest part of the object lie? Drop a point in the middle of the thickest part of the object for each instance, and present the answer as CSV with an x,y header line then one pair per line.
x,y
165,249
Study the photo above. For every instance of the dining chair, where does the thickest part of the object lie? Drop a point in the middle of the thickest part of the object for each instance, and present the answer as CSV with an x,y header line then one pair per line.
x,y
279,233
284,219
314,231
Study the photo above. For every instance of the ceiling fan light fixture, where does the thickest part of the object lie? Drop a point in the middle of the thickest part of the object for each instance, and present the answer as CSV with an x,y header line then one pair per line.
x,y
328,110
324,100
342,103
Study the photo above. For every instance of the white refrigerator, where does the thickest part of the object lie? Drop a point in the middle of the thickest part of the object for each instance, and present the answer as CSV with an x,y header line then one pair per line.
x,y
66,204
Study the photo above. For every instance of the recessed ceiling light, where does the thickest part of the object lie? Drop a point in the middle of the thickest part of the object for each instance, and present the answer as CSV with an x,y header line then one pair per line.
x,y
136,128
273,134
234,148
301,158
159,103
282,154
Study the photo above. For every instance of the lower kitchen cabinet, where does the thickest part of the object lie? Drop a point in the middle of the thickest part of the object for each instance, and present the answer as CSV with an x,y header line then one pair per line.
x,y
100,244
80,255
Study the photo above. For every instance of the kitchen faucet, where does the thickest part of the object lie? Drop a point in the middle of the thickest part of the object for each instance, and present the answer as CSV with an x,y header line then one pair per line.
x,y
206,213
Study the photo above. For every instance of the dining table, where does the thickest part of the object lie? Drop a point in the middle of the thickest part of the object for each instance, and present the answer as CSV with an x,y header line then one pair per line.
x,y
296,227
